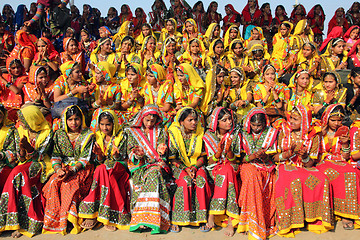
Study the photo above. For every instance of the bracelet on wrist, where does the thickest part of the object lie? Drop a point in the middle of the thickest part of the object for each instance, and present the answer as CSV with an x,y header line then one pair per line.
x,y
306,160
277,100
8,84
70,94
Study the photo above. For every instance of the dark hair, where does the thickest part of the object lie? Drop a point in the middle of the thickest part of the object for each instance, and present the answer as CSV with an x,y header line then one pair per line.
x,y
339,109
128,38
355,72
106,115
335,41
311,45
186,113
73,110
286,25
258,118
264,6
130,67
222,113
42,69
197,4
280,6
332,74
219,68
146,25
237,42
218,42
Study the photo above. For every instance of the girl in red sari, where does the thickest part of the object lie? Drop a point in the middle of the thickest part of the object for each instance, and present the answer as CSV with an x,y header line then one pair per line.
x,y
338,20
146,149
232,17
72,53
302,193
187,156
297,14
251,14
11,85
6,38
343,178
351,36
125,14
316,16
24,49
265,23
33,145
212,16
72,180
138,21
280,16
257,196
218,141
353,55
109,201
46,54
198,14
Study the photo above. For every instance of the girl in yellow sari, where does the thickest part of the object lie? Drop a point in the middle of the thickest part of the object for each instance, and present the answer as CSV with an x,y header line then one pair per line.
x,y
232,33
215,55
189,87
168,57
334,57
110,178
102,52
302,34
212,33
240,95
170,30
190,31
146,31
159,90
148,52
300,92
132,90
33,145
236,56
195,55
257,59
329,91
126,29
187,156
257,35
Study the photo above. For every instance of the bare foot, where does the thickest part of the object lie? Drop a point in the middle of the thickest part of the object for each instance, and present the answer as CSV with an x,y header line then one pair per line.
x,y
211,221
244,233
175,228
110,228
348,224
89,223
16,234
205,228
229,231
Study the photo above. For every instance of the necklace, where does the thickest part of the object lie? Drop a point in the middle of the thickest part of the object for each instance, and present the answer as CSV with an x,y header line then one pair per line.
x,y
104,57
184,134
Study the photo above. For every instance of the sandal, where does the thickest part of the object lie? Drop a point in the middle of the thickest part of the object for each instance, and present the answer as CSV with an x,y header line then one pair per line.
x,y
174,231
348,225
89,227
205,228
110,228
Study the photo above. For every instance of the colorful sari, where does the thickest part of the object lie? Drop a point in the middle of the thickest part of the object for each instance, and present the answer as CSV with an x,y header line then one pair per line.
x,y
22,194
232,60
343,177
29,88
257,196
186,38
228,40
305,98
302,195
150,201
327,64
224,202
209,35
25,49
111,58
64,196
76,57
108,200
192,197
297,40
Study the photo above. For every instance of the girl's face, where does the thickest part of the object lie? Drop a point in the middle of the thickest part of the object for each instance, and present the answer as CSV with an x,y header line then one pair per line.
x,y
169,26
225,123
190,123
267,9
257,127
85,36
41,46
303,80
42,77
339,48
151,78
235,79
15,70
340,12
123,9
356,80
138,13
99,76
149,121
317,10
132,76
106,126
238,49
170,48
295,121
74,123
298,10
150,45
220,78
233,33
106,47
216,32
227,11
258,55
145,31
219,49
76,74
102,33
269,75
335,122
307,52
329,83
214,7
354,34
69,33
131,30
279,11
255,34
126,46
199,7
251,3
189,27
194,47
72,47
181,77
284,30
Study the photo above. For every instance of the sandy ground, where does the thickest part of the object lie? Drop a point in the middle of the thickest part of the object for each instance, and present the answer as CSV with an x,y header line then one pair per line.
x,y
187,234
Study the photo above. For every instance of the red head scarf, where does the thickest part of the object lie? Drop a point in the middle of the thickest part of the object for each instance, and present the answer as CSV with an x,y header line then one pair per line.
x,y
348,32
353,48
53,54
292,16
24,40
336,32
246,12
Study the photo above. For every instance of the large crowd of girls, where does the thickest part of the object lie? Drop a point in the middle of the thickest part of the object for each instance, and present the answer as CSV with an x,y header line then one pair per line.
x,y
252,124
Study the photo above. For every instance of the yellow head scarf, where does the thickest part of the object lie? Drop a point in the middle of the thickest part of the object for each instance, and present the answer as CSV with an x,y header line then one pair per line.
x,y
188,156
211,52
291,27
123,31
186,56
191,75
192,22
4,126
258,47
210,30
64,118
34,120
143,47
165,31
227,35
300,28
117,135
140,39
159,72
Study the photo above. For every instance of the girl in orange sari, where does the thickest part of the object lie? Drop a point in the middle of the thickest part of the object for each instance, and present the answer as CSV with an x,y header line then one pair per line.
x,y
46,55
72,53
24,49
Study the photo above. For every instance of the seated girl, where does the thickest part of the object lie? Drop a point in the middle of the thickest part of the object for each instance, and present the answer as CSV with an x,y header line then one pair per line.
x,y
146,31
148,52
257,59
194,55
72,53
33,146
212,33
109,201
168,58
299,91
334,57
231,34
147,150
102,53
73,176
236,56
187,156
215,55
46,55
190,31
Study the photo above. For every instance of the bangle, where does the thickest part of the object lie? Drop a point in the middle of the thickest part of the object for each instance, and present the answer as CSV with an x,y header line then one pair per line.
x,y
277,100
46,60
214,158
262,102
350,105
281,158
345,150
306,160
96,105
247,158
46,99
70,94
74,169
325,104
232,159
129,102
246,103
8,84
